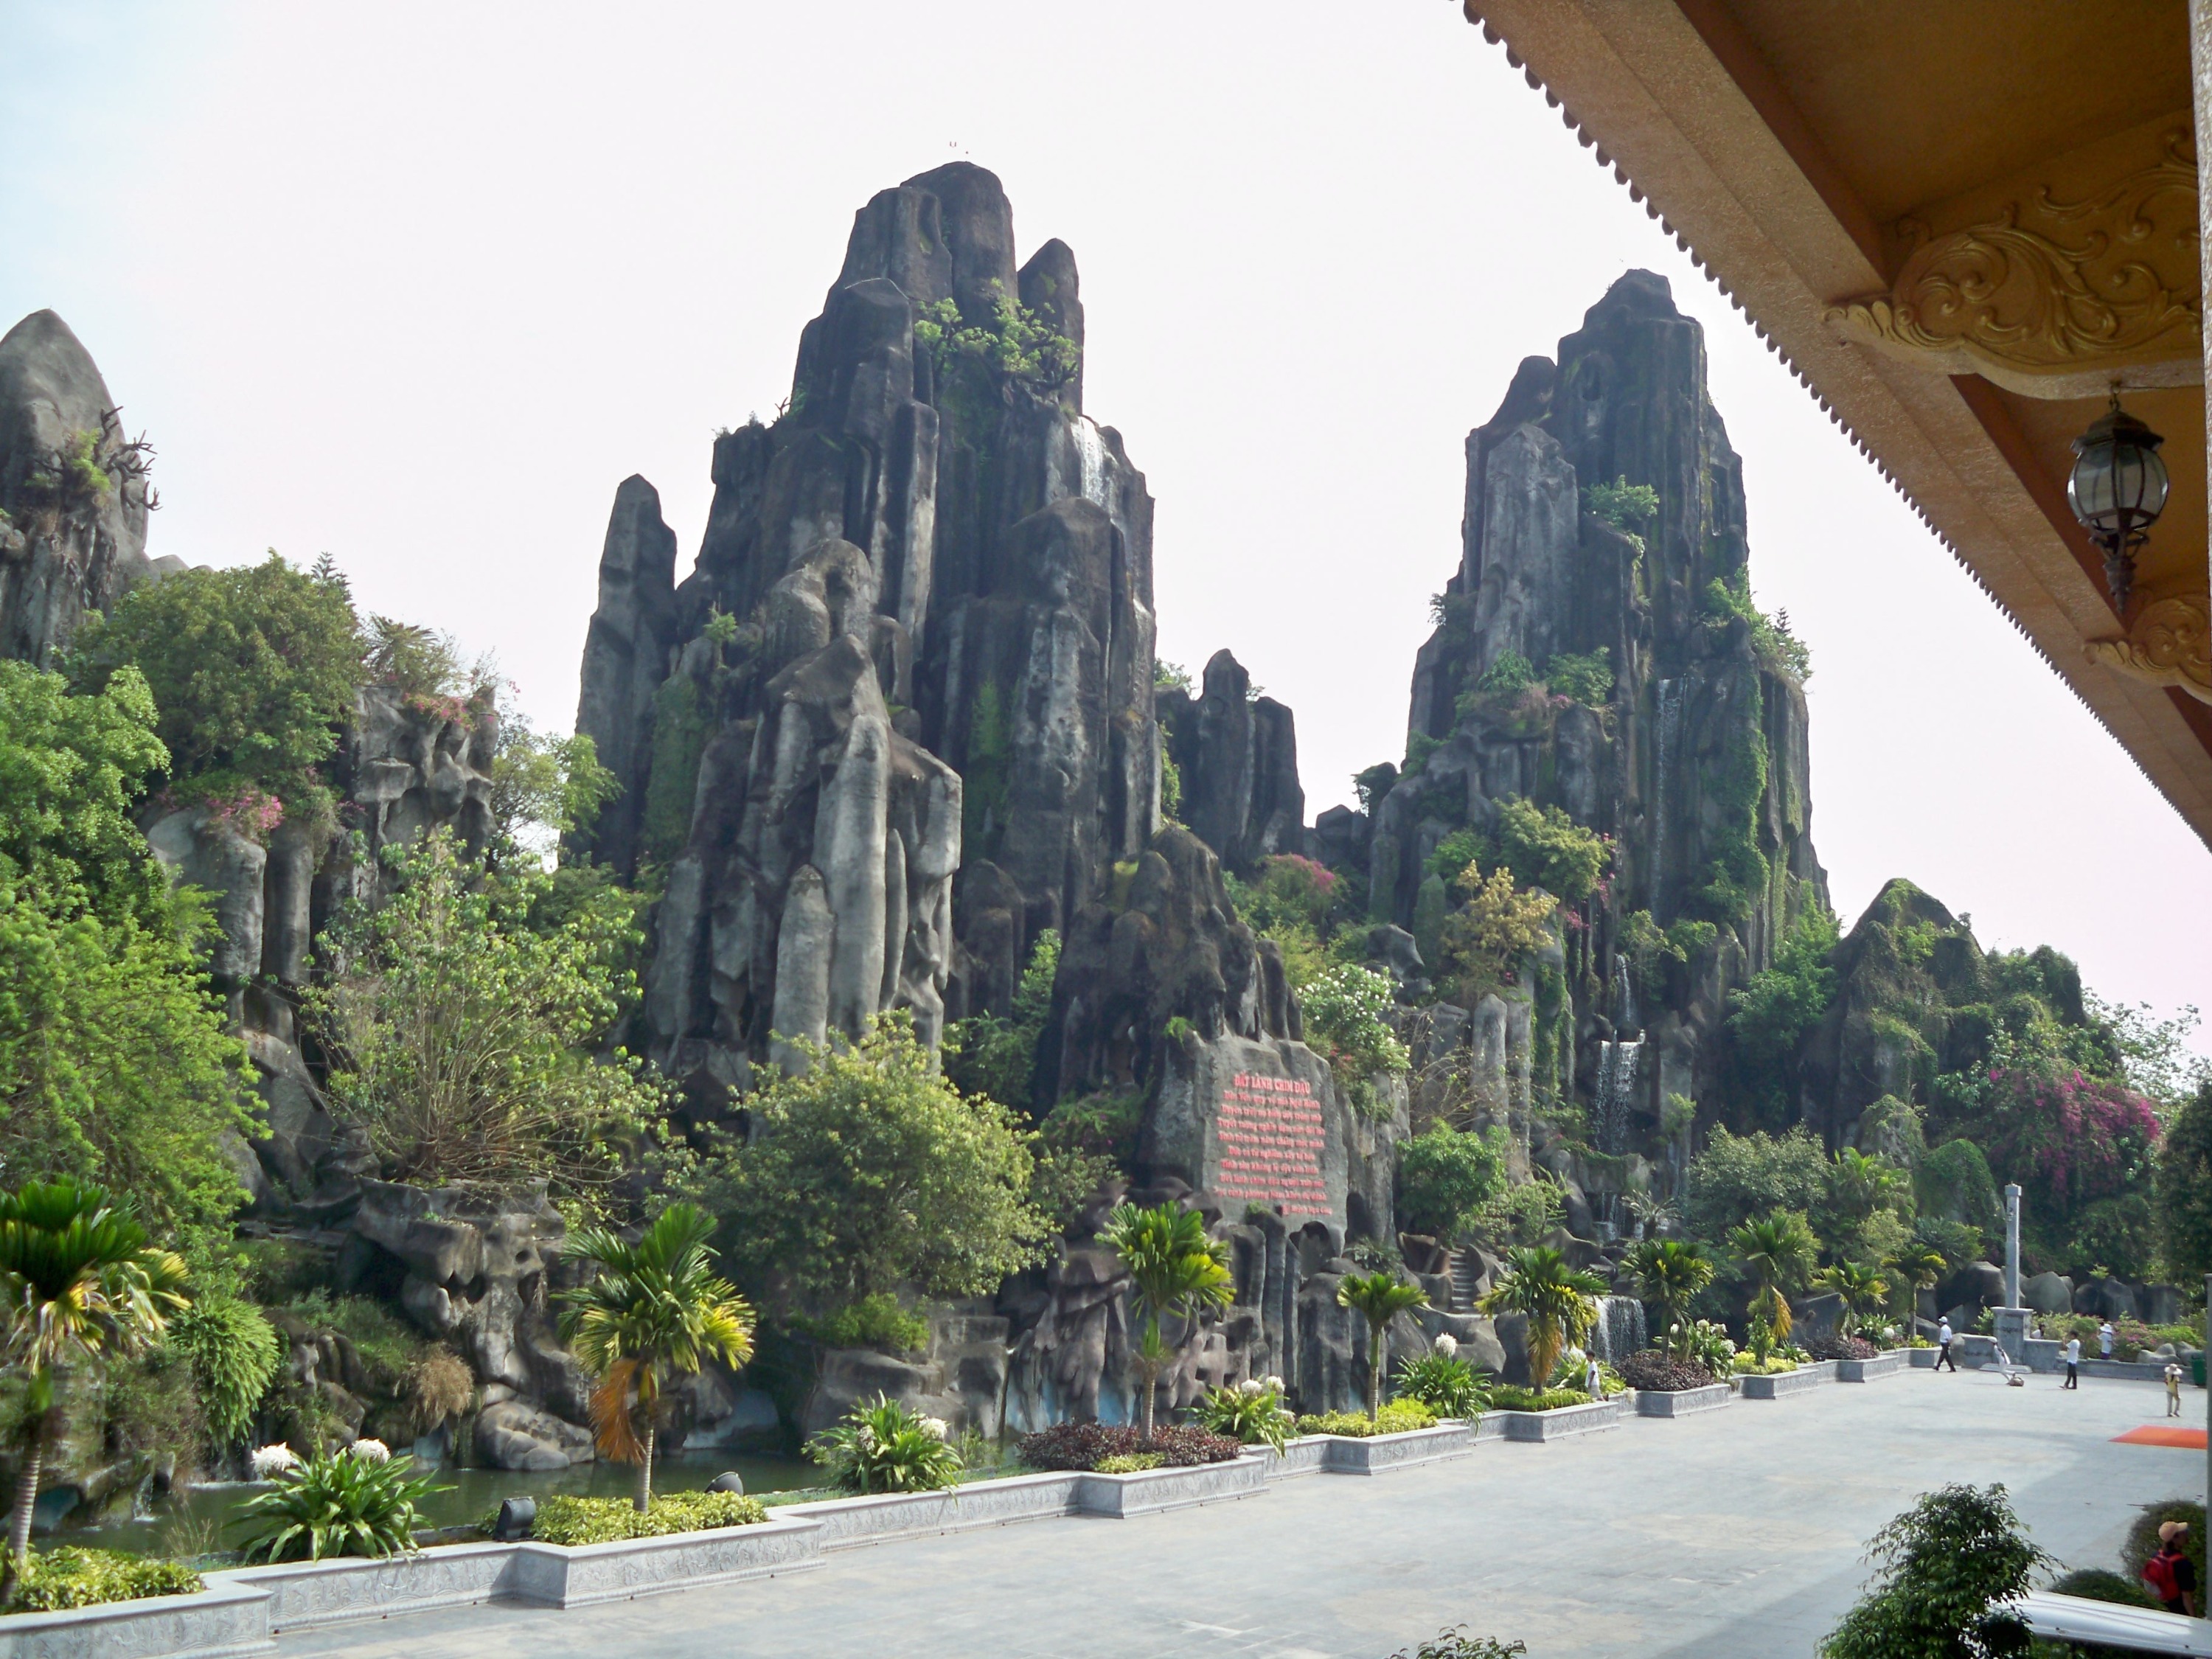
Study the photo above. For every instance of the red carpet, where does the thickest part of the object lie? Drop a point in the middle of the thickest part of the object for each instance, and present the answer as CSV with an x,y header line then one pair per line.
x,y
2155,1434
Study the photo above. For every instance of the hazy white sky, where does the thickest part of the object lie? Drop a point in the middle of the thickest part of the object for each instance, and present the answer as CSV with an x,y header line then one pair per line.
x,y
418,285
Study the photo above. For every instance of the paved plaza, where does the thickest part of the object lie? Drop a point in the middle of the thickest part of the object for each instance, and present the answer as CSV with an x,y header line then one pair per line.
x,y
1734,1534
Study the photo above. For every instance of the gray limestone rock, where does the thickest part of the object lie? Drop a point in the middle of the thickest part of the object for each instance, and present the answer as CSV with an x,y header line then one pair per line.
x,y
2048,1293
511,1435
626,658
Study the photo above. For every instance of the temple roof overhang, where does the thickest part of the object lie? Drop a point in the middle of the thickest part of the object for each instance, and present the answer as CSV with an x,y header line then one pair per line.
x,y
1962,227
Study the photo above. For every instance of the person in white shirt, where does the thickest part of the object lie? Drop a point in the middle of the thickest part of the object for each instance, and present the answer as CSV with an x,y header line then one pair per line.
x,y
2074,1362
1943,1347
1594,1381
2105,1339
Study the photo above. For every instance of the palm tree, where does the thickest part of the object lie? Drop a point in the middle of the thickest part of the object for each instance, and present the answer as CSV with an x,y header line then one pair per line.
x,y
1174,1269
82,1286
1670,1273
654,1307
1382,1295
1773,1254
1558,1301
1861,1287
1917,1266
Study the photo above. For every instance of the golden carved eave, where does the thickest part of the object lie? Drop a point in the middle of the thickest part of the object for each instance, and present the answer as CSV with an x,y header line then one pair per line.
x,y
2170,643
2051,298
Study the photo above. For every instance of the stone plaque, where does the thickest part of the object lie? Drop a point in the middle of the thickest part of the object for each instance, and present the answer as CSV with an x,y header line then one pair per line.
x,y
1270,1139
1253,1123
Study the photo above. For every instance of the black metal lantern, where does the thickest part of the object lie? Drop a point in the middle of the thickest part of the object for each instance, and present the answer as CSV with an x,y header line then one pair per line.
x,y
2118,490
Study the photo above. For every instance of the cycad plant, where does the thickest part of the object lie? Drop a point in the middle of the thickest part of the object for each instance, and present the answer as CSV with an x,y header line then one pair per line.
x,y
82,1286
1862,1289
1176,1271
655,1308
1670,1273
1379,1296
1558,1301
1773,1254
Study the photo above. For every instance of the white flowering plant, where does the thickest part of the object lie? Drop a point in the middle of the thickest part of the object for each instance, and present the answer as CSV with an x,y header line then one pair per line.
x,y
370,1451
883,1447
267,1462
1251,1412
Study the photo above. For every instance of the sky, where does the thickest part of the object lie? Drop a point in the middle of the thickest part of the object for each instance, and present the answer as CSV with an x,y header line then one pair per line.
x,y
419,285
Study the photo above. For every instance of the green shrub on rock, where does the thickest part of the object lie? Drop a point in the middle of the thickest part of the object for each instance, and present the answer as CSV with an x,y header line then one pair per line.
x,y
67,1576
575,1521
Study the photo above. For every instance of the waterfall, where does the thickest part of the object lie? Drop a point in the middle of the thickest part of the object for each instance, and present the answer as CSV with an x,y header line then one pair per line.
x,y
1619,1329
1090,457
1623,998
1617,1066
1662,769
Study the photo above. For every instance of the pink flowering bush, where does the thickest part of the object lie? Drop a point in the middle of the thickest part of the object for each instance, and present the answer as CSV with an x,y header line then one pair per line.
x,y
2071,1140
251,812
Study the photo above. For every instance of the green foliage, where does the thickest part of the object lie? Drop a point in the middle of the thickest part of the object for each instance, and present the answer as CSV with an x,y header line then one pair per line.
x,y
2184,1189
1736,876
1864,1290
680,724
1373,784
1669,1274
1505,678
72,770
1544,847
253,669
874,1322
2142,1541
1014,342
234,1352
1455,1643
1445,1177
461,1038
1953,1182
883,1447
986,774
338,1504
1102,1126
2154,1052
1379,1298
653,1309
1444,1382
1773,1254
1131,1463
1945,1566
1777,647
1558,1301
1510,1397
989,1055
1457,858
1398,1416
1170,788
1521,1213
1345,1011
1172,676
1176,1271
66,1575
1773,1013
544,787
1250,1413
1738,1177
1587,678
577,1520
1628,507
869,1169
386,1344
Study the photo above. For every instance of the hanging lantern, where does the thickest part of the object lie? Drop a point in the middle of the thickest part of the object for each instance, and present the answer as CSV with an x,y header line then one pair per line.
x,y
2118,490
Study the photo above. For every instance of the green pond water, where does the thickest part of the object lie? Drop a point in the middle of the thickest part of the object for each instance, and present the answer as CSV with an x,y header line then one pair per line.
x,y
201,1522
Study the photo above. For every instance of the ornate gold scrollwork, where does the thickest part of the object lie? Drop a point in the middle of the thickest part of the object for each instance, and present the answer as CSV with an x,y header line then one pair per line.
x,y
2050,290
2170,644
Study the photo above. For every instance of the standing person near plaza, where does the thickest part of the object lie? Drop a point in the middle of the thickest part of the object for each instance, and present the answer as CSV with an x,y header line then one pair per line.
x,y
2074,1362
2104,1340
2170,1574
1594,1379
2172,1390
1943,1347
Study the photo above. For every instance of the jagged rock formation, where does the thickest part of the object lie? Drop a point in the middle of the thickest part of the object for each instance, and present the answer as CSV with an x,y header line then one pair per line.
x,y
1238,758
1693,763
73,491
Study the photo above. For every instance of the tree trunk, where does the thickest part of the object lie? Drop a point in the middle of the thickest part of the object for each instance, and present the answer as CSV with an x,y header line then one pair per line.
x,y
645,1471
1151,1385
19,1530
1375,1380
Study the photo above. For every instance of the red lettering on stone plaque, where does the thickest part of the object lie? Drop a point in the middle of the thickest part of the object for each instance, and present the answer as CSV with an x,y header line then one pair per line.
x,y
1270,1135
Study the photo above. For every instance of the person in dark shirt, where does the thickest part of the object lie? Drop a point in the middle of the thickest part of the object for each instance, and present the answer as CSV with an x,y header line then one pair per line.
x,y
2170,1574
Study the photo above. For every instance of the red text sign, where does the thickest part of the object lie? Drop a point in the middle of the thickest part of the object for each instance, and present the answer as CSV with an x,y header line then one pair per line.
x,y
1270,1134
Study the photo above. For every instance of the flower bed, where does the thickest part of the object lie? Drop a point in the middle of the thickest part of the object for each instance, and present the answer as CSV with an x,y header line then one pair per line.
x,y
574,1520
1509,1398
1085,1446
1399,1417
1653,1372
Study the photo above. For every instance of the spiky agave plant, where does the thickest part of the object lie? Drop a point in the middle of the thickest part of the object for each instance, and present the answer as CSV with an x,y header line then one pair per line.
x,y
655,1308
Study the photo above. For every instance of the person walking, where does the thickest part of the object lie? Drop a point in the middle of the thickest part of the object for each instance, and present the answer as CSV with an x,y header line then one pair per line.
x,y
2172,1390
2170,1574
2104,1340
1943,1347
2074,1362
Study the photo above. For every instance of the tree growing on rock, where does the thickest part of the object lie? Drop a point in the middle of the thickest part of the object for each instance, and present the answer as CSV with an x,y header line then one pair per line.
x,y
1176,1271
869,1169
653,1310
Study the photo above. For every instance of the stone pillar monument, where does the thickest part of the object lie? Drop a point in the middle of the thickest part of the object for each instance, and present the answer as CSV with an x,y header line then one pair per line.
x,y
2011,1321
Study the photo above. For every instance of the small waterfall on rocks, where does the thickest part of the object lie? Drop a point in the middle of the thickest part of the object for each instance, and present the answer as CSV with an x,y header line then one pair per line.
x,y
1618,1331
1669,737
1618,1065
1090,456
1623,998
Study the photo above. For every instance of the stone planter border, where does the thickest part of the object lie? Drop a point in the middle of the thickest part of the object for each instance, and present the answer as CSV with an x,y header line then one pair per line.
x,y
1682,1402
1561,1423
1818,1375
1886,1364
221,1621
1373,1454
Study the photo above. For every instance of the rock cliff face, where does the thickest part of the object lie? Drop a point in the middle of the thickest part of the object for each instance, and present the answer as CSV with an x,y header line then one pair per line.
x,y
1693,762
73,491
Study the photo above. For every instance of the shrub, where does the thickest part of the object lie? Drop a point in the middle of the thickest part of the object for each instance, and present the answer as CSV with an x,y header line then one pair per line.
x,y
876,1321
572,1520
1129,1463
1841,1347
1250,1413
1445,1176
336,1504
1345,1012
1399,1417
1946,1566
1456,1644
1444,1382
1544,847
67,1576
1708,1344
1507,1397
884,1447
1083,1445
2096,1584
1653,1372
234,1352
438,1388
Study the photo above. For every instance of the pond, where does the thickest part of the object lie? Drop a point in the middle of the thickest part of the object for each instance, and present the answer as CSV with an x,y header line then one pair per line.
x,y
199,1523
